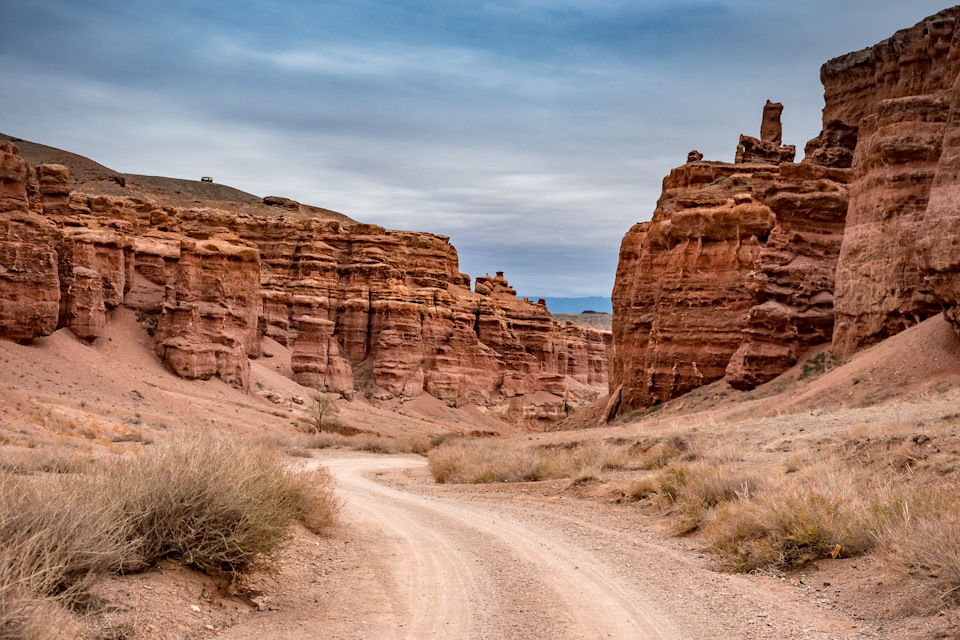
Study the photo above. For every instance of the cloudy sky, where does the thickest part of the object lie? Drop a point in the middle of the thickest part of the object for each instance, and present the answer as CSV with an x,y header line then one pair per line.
x,y
532,132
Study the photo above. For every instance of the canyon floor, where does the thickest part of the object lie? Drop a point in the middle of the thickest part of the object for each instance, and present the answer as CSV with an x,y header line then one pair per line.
x,y
415,560
556,558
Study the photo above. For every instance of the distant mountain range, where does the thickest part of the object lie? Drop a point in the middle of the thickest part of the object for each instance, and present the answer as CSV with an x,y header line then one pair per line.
x,y
579,305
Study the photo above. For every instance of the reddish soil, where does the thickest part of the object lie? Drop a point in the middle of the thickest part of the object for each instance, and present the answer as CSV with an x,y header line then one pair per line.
x,y
412,559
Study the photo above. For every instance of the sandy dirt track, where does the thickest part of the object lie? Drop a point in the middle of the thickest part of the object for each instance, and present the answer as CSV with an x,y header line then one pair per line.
x,y
417,561
468,571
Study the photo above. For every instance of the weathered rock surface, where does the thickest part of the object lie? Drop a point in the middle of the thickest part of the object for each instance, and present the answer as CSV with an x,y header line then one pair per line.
x,y
793,279
386,313
29,282
865,240
681,295
209,320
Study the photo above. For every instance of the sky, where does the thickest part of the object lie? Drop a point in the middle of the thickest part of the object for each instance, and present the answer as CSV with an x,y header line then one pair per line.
x,y
534,133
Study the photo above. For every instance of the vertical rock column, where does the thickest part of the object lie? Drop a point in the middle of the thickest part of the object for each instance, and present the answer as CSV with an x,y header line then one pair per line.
x,y
29,282
209,320
316,359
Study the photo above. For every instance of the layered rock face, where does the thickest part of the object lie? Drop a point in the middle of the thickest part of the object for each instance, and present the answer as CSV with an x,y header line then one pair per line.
x,y
29,283
792,281
898,94
208,325
362,308
681,298
863,241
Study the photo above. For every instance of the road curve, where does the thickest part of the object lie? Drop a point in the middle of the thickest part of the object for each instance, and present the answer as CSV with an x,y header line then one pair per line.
x,y
463,569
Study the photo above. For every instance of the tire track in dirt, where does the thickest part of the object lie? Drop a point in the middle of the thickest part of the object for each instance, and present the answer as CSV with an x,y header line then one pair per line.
x,y
465,570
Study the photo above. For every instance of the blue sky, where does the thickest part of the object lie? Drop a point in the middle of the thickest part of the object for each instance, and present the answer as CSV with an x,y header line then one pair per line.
x,y
534,133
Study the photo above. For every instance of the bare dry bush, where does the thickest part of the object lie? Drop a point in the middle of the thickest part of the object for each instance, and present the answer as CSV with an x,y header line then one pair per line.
x,y
218,504
317,500
56,537
221,505
919,530
801,520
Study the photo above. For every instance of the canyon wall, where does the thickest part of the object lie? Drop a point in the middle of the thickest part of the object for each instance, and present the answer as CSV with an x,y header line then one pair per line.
x,y
363,309
860,240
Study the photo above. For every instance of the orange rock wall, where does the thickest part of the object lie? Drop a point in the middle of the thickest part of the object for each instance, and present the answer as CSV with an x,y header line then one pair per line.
x,y
362,308
865,240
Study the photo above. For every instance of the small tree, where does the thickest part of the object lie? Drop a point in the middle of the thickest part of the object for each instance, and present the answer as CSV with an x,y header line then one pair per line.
x,y
324,408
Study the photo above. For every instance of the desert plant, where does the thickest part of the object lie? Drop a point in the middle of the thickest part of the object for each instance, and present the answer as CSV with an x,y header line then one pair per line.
x,y
802,520
220,505
919,531
467,460
317,501
56,538
323,411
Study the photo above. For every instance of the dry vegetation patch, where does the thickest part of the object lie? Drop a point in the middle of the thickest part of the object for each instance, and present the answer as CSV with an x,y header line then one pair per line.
x,y
221,505
769,495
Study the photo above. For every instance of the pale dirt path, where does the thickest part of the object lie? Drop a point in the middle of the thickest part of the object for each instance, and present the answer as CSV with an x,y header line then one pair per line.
x,y
414,561
459,563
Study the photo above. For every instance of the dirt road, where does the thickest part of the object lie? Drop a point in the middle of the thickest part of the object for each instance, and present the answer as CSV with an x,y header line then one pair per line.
x,y
424,563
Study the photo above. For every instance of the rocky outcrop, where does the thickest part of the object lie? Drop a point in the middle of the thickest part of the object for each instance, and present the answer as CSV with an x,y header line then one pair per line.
x,y
362,308
681,295
209,321
865,241
792,283
29,282
85,299
316,360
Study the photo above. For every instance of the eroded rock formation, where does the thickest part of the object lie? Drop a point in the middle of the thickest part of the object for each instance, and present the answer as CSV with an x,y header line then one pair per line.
x,y
362,308
29,286
864,240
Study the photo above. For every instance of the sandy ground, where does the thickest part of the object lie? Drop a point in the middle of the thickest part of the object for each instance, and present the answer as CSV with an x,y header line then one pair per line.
x,y
413,559
442,562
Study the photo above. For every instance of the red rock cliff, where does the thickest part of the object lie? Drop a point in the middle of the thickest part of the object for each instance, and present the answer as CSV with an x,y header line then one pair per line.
x,y
863,240
363,308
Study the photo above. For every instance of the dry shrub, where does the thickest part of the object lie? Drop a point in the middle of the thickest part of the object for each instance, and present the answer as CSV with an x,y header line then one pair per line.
x,y
317,500
41,460
696,489
358,441
217,504
298,452
56,537
920,533
800,521
220,505
642,487
467,460
664,452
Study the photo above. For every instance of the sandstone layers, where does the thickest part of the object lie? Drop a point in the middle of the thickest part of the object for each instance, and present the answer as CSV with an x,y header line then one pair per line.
x,y
744,266
362,308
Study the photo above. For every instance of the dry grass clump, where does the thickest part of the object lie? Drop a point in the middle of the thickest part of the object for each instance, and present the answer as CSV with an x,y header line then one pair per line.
x,y
317,502
221,505
299,445
55,539
25,461
801,520
920,535
475,461
697,489
471,460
